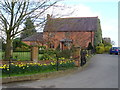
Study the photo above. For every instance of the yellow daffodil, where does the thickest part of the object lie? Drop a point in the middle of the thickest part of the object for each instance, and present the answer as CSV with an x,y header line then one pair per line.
x,y
40,64
1,67
35,63
45,64
61,61
4,65
23,67
31,63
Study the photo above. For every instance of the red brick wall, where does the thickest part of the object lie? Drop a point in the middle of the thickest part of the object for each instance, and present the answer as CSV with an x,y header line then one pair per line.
x,y
82,38
79,38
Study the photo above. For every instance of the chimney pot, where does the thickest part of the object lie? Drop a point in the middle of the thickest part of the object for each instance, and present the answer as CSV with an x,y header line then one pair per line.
x,y
48,16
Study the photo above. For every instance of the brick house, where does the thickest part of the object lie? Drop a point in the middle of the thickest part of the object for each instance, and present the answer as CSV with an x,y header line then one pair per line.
x,y
64,32
36,38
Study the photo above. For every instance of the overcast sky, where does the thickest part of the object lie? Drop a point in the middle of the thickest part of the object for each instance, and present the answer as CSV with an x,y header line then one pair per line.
x,y
106,10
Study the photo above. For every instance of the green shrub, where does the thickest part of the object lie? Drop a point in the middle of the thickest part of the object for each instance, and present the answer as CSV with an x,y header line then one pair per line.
x,y
107,43
101,44
90,47
100,49
49,54
50,51
65,53
48,57
18,43
107,48
42,49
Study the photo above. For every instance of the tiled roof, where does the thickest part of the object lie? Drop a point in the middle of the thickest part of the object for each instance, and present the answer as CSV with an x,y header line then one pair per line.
x,y
71,24
35,37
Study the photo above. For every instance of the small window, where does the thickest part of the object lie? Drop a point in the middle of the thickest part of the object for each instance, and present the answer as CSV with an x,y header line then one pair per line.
x,y
51,45
66,44
67,34
51,34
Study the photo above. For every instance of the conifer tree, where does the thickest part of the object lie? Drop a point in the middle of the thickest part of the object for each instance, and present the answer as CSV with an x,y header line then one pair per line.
x,y
29,28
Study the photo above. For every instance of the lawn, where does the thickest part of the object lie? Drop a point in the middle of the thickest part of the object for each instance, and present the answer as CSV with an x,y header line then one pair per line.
x,y
22,56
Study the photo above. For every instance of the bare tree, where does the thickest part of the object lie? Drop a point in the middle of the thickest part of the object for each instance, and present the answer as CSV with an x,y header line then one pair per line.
x,y
13,14
112,43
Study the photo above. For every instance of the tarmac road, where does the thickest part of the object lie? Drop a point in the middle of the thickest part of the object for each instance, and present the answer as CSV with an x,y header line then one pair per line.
x,y
102,72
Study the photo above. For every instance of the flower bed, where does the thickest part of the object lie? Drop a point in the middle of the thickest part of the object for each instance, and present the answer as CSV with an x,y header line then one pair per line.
x,y
31,68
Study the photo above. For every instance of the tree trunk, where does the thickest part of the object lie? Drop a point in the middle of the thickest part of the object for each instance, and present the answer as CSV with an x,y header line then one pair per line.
x,y
8,49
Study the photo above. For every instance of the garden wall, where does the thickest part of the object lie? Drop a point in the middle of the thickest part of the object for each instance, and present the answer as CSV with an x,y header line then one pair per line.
x,y
42,76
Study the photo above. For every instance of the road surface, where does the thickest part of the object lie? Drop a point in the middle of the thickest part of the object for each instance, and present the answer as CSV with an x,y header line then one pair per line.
x,y
102,72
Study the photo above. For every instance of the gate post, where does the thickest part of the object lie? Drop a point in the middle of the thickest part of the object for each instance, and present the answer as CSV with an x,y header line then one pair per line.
x,y
78,54
34,54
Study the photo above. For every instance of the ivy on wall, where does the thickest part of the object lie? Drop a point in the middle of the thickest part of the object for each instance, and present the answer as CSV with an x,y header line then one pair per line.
x,y
98,35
